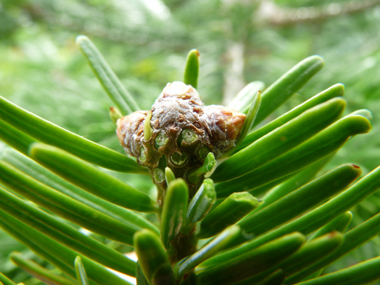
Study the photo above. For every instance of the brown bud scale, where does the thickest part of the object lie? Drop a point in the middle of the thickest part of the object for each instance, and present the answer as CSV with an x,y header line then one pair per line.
x,y
179,108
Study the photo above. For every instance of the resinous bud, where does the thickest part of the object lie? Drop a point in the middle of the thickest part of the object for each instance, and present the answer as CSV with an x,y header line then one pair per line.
x,y
178,158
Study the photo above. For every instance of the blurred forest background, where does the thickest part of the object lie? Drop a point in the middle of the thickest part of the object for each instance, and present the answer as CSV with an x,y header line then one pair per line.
x,y
146,43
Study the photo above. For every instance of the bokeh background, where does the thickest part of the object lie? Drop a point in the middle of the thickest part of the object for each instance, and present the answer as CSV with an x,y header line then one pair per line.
x,y
146,43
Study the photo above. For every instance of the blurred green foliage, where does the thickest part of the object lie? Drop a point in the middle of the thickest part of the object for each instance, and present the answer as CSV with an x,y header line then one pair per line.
x,y
146,43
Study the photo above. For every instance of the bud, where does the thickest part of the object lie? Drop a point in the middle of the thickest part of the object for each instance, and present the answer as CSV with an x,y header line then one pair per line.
x,y
161,140
180,130
159,175
178,158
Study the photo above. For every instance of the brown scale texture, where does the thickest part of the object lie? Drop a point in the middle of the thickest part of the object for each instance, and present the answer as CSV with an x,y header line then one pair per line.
x,y
178,112
130,131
